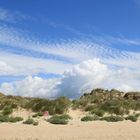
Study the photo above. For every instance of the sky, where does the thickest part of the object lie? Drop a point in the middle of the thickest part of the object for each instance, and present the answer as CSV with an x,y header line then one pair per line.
x,y
51,48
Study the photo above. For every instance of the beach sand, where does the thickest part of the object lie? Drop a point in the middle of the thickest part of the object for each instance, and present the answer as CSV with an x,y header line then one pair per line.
x,y
75,130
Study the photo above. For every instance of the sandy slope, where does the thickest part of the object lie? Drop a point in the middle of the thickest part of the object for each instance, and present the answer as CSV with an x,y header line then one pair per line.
x,y
75,130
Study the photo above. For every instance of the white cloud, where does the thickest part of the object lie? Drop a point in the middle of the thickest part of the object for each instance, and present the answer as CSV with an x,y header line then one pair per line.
x,y
30,57
83,77
12,16
77,80
5,15
31,86
16,65
23,54
5,69
94,74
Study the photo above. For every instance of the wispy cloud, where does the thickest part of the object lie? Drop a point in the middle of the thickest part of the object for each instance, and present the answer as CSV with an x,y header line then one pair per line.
x,y
137,2
5,15
24,65
12,16
123,40
17,43
24,55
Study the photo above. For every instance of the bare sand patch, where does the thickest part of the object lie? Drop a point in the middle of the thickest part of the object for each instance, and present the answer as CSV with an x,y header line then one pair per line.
x,y
75,130
98,130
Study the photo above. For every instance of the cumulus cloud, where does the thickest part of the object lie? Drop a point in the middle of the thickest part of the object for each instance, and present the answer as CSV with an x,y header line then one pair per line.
x,y
94,74
77,80
31,87
82,77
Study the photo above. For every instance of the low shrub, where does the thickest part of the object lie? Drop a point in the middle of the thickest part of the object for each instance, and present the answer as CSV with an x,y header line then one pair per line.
x,y
65,116
89,108
114,107
61,105
90,118
35,123
7,110
59,119
4,118
40,114
75,104
98,112
57,106
112,118
131,118
37,114
137,115
28,121
15,119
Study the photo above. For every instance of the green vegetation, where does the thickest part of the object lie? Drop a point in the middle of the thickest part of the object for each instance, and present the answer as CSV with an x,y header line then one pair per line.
x,y
98,112
64,116
59,119
62,104
58,106
30,121
114,107
137,115
89,108
5,118
113,102
132,118
1,94
39,114
13,101
15,119
109,105
35,123
90,118
7,110
112,118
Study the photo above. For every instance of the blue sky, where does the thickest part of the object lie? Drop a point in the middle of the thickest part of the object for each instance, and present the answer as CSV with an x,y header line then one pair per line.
x,y
55,20
108,17
48,38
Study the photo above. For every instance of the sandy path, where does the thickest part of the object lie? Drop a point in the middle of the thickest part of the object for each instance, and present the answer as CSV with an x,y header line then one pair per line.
x,y
79,131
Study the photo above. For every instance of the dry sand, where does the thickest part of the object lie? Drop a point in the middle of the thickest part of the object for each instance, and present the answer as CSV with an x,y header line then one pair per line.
x,y
75,130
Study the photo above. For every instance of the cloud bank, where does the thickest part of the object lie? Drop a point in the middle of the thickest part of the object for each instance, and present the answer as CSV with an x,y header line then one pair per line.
x,y
80,78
